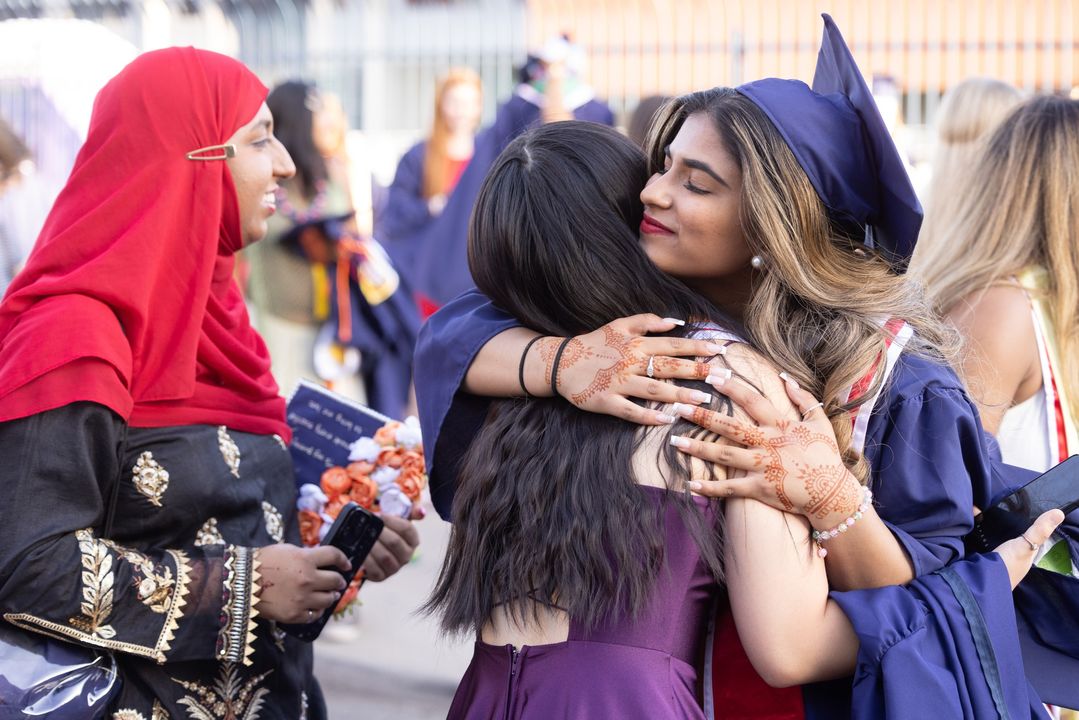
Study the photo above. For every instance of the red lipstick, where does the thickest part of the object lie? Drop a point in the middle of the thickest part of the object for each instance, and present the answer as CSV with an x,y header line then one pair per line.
x,y
651,226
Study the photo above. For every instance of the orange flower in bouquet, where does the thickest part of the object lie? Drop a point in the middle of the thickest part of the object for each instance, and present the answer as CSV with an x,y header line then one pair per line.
x,y
349,595
392,457
364,491
310,524
335,505
335,481
359,467
387,434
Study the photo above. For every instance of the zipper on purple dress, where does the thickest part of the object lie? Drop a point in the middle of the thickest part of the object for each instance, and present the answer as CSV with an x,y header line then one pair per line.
x,y
514,654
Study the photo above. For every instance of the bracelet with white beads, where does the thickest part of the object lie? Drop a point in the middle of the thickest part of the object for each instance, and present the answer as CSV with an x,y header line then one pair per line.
x,y
820,536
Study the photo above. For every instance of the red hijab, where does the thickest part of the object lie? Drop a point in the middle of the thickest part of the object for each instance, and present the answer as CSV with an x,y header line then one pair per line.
x,y
128,299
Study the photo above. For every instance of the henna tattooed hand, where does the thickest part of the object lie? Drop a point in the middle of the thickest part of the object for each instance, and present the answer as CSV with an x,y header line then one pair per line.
x,y
791,464
600,370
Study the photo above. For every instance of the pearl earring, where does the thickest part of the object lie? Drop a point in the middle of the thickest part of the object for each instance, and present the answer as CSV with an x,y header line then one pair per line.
x,y
756,262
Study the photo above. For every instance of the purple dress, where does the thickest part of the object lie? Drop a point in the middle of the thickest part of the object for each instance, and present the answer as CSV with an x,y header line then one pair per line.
x,y
647,667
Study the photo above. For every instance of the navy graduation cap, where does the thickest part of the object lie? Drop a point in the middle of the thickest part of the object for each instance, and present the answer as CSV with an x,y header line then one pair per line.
x,y
839,138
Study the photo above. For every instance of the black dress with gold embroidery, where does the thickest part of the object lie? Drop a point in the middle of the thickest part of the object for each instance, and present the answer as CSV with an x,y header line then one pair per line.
x,y
169,590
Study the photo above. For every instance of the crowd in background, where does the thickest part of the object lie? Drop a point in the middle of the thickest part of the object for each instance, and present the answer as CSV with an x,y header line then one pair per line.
x,y
348,271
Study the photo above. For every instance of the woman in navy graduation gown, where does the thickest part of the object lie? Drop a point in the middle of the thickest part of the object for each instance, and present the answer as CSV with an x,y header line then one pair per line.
x,y
441,263
928,461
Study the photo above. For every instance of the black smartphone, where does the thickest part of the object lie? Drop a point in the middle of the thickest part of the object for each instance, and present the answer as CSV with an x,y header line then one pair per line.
x,y
354,533
1057,487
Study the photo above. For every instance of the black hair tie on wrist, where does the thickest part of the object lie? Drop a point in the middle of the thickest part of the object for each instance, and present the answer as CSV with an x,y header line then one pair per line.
x,y
554,368
521,368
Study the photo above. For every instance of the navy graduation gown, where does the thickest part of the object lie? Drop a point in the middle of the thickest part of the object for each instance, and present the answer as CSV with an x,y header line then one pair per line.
x,y
441,263
924,437
405,214
944,646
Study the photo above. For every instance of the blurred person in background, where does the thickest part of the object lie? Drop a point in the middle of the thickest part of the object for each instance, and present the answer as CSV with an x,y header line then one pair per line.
x,y
150,503
330,303
968,114
14,159
1004,268
552,86
430,170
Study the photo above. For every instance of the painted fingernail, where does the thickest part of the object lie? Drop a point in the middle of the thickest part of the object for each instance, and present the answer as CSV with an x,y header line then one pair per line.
x,y
665,418
676,321
682,409
700,397
714,349
695,486
420,513
788,378
679,442
718,377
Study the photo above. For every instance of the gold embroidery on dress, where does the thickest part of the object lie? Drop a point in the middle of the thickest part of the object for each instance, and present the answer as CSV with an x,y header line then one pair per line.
x,y
126,714
242,581
153,584
97,590
159,713
229,450
230,696
208,534
150,478
275,525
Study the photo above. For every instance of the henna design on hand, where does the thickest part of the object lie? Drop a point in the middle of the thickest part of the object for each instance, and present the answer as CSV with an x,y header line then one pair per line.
x,y
622,360
806,437
829,490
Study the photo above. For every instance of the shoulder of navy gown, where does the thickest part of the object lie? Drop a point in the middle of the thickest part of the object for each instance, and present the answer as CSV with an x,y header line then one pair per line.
x,y
441,271
595,111
442,263
449,417
943,646
405,212
930,459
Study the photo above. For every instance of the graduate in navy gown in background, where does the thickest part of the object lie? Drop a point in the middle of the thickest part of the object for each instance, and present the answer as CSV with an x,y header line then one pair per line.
x,y
929,461
551,88
431,169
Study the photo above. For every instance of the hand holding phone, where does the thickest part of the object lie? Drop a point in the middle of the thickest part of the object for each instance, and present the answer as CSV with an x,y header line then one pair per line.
x,y
1057,488
354,533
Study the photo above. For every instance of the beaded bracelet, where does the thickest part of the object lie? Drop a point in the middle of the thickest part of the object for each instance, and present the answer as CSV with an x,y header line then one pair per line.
x,y
819,536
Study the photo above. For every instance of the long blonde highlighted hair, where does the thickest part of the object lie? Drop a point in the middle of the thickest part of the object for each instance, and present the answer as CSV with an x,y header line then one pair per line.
x,y
1022,211
436,161
817,310
967,116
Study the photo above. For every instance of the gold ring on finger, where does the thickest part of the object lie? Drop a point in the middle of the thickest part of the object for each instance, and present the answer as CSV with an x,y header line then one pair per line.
x,y
811,408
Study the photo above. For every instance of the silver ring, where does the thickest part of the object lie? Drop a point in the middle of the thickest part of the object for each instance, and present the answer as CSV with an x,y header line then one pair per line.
x,y
650,371
1033,546
310,615
811,408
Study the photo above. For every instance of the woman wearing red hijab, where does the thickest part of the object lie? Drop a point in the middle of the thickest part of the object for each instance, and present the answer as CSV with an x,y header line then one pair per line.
x,y
148,492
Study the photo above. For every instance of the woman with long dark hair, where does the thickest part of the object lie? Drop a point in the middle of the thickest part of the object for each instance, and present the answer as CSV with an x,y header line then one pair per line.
x,y
576,542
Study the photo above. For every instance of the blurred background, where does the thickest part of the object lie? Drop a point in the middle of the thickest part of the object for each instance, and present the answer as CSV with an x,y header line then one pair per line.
x,y
382,59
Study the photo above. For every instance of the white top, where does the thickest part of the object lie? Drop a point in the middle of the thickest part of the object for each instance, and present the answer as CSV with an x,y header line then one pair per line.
x,y
1028,433
1024,434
